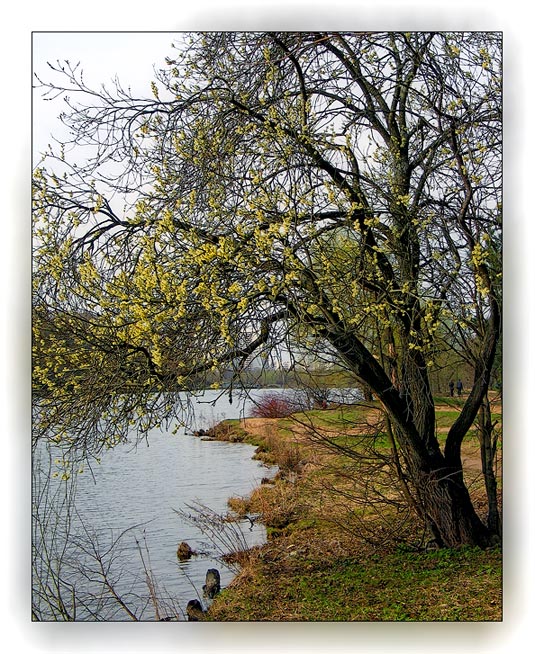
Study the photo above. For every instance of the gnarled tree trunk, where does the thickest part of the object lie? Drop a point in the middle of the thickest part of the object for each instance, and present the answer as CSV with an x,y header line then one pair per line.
x,y
448,508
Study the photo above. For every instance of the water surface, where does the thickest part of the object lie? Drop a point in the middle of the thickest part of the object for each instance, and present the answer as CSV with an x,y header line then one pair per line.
x,y
140,489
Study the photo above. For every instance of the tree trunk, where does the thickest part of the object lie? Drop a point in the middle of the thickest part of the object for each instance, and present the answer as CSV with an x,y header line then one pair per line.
x,y
443,499
449,510
439,487
488,455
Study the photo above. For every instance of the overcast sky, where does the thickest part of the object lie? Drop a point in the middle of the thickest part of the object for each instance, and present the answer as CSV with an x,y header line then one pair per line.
x,y
131,56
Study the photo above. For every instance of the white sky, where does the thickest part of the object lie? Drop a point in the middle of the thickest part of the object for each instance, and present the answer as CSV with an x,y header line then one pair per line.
x,y
132,56
102,56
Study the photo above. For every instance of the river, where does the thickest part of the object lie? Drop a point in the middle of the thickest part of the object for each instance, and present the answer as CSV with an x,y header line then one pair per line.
x,y
140,490
111,550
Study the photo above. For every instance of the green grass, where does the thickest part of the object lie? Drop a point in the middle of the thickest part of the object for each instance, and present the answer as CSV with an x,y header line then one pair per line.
x,y
347,414
446,585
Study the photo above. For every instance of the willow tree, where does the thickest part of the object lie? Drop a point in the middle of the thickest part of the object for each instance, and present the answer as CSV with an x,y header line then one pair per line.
x,y
178,234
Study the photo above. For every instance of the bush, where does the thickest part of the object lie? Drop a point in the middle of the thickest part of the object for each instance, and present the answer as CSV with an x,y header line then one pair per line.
x,y
273,406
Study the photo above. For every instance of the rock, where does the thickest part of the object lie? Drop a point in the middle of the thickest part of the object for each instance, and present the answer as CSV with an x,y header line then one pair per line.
x,y
213,583
184,552
194,611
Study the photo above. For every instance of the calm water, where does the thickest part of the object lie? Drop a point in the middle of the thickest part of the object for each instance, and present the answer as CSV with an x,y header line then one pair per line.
x,y
145,487
132,500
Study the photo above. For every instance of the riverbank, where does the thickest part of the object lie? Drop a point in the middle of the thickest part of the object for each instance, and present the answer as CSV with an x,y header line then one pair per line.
x,y
341,544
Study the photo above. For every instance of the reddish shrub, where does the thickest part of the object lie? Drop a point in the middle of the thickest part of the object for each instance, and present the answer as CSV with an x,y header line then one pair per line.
x,y
272,406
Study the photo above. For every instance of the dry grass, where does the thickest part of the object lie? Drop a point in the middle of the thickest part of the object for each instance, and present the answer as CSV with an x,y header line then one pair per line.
x,y
336,525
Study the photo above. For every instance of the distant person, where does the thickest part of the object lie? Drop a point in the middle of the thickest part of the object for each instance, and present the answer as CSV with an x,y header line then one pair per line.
x,y
459,387
451,385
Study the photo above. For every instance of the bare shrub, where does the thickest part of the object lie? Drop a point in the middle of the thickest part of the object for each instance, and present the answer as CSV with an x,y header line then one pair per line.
x,y
273,405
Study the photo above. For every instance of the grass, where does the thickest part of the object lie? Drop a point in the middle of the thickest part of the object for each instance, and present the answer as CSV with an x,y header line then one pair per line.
x,y
335,555
447,585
